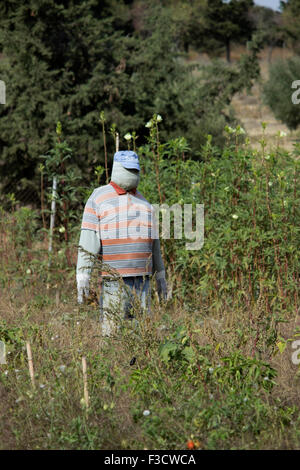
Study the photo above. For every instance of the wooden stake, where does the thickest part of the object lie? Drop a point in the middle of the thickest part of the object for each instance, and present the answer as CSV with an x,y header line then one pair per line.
x,y
30,363
85,385
52,217
117,142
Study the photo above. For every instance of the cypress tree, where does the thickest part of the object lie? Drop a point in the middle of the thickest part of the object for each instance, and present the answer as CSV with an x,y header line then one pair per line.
x,y
58,57
227,22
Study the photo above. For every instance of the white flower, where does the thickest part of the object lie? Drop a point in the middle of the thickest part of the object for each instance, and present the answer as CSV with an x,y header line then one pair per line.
x,y
5,372
266,379
267,157
210,370
146,412
270,183
61,229
62,368
235,216
128,136
149,124
159,118
211,396
28,271
240,130
42,385
245,399
282,134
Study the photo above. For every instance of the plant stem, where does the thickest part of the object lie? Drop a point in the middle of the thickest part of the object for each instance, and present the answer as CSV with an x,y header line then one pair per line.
x,y
105,151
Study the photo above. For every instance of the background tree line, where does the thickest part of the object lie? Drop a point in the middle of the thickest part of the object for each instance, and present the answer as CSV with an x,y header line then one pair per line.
x,y
69,60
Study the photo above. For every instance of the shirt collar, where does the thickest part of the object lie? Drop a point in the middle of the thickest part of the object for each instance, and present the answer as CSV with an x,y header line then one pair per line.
x,y
121,190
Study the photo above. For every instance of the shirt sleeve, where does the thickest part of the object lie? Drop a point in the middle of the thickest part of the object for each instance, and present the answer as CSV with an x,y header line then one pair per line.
x,y
90,219
89,240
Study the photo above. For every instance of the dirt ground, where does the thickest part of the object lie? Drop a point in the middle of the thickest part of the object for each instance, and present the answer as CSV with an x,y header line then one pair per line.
x,y
252,112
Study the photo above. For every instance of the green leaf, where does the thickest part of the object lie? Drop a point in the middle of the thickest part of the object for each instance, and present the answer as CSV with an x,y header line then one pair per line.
x,y
168,350
281,346
188,353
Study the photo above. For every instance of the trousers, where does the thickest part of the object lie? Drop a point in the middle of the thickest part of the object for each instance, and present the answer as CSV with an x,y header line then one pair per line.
x,y
121,298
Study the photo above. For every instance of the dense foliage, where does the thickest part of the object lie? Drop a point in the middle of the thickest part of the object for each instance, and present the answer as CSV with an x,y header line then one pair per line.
x,y
226,22
291,22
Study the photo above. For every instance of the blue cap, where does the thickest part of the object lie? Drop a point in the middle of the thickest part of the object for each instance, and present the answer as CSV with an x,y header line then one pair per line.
x,y
128,159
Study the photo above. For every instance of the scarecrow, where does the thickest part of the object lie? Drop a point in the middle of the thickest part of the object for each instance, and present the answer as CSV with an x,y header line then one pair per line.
x,y
119,225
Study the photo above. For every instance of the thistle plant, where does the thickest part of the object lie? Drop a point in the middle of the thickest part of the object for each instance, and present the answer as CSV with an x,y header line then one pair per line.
x,y
102,121
55,167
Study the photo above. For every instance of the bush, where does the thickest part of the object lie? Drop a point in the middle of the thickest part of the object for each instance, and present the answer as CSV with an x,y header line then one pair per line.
x,y
277,92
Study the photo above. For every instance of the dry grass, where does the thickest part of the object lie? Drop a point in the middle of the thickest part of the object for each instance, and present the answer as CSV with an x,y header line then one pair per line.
x,y
61,334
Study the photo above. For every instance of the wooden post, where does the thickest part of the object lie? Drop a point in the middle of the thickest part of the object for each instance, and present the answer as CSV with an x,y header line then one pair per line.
x,y
85,385
117,142
30,363
52,218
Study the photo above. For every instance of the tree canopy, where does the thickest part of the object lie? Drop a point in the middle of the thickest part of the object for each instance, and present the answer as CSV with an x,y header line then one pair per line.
x,y
69,60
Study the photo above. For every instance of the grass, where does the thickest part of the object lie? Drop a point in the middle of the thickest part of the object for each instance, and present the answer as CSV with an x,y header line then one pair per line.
x,y
181,376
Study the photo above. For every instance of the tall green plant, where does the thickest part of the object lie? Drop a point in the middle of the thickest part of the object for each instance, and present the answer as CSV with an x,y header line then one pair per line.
x,y
56,167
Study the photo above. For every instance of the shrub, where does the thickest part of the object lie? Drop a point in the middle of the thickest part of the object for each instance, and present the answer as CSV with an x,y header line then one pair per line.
x,y
277,91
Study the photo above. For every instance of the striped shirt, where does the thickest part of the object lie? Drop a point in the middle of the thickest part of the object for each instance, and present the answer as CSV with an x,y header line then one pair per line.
x,y
124,223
